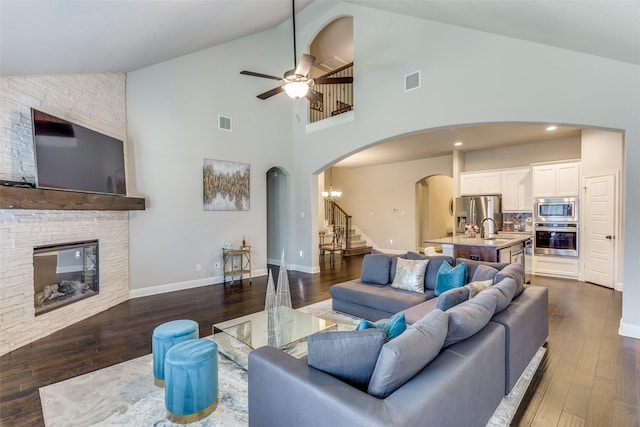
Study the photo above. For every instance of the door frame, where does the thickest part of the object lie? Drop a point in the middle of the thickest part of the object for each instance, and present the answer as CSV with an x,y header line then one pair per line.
x,y
616,227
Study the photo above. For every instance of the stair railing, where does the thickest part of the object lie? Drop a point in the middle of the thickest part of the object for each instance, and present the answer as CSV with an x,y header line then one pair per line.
x,y
339,218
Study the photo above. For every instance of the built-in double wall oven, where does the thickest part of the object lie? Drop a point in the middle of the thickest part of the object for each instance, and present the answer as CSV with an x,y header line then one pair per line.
x,y
556,228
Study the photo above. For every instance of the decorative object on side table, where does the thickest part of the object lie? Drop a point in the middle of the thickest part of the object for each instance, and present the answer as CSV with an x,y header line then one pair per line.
x,y
471,229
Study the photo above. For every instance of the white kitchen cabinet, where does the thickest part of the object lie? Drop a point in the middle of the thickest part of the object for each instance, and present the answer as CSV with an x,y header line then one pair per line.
x,y
517,190
475,183
556,266
557,179
513,254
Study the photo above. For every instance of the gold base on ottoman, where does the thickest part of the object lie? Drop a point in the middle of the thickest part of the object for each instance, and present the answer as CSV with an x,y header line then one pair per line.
x,y
192,418
159,383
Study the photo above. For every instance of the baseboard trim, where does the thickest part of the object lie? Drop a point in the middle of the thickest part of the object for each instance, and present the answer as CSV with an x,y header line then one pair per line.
x,y
629,330
189,284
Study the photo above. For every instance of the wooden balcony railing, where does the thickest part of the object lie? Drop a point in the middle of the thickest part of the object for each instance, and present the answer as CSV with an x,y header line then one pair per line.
x,y
334,98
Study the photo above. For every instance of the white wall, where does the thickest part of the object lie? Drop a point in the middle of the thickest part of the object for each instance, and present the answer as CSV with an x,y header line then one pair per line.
x,y
523,155
468,77
172,109
603,153
382,199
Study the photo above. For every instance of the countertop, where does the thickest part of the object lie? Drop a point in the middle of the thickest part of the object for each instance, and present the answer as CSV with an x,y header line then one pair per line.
x,y
499,241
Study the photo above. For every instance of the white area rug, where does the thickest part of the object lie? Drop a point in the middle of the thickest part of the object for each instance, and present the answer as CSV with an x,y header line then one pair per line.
x,y
124,394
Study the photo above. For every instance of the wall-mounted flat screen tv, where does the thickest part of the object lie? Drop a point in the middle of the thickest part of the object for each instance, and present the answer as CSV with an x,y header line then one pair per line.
x,y
72,157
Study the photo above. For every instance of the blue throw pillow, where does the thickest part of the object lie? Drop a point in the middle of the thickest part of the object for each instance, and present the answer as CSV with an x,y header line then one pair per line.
x,y
450,277
392,327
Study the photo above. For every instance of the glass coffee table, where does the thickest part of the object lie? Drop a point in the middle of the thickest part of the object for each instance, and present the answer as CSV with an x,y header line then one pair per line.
x,y
283,328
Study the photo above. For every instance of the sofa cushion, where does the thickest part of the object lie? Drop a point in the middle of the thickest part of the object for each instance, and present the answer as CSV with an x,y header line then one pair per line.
x,y
378,297
402,358
472,265
375,269
418,311
393,258
504,291
392,327
433,267
469,317
350,356
476,287
515,272
450,277
452,297
410,275
484,272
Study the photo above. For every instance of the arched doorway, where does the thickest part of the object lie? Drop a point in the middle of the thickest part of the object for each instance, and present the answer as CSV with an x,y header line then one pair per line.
x,y
333,49
277,215
434,216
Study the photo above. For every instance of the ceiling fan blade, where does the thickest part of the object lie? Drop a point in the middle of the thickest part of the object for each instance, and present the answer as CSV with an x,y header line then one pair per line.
x,y
333,80
264,76
304,66
313,96
270,93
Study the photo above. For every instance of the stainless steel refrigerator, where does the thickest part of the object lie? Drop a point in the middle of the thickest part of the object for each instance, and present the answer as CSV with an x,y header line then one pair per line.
x,y
473,209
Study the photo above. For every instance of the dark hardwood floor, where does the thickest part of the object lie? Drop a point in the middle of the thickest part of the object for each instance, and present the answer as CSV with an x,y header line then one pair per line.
x,y
590,375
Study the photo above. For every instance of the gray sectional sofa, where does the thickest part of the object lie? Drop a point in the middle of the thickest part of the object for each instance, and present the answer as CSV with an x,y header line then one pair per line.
x,y
452,366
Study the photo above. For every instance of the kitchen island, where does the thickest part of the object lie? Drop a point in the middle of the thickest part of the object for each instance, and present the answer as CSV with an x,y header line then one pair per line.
x,y
496,248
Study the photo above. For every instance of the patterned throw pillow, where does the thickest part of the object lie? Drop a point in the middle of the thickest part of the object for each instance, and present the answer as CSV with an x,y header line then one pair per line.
x,y
410,275
476,287
450,277
392,327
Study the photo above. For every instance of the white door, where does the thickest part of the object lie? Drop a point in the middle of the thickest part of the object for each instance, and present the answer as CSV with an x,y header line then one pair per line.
x,y
599,205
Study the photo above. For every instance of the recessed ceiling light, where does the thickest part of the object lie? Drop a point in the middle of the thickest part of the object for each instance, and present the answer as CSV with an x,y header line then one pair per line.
x,y
457,144
552,128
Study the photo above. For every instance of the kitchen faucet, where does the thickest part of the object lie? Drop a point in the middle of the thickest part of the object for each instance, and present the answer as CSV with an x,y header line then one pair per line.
x,y
482,226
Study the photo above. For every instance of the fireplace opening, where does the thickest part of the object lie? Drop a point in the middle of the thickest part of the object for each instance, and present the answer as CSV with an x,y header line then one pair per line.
x,y
64,274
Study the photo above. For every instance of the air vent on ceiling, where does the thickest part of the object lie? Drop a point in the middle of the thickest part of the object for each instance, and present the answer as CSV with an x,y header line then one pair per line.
x,y
412,81
224,123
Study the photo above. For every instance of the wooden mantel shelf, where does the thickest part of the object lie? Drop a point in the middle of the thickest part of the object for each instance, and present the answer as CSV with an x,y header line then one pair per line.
x,y
35,198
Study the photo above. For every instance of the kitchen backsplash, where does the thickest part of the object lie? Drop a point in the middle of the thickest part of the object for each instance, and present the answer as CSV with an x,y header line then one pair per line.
x,y
517,222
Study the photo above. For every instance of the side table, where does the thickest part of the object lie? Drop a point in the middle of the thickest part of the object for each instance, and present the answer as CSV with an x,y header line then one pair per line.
x,y
236,262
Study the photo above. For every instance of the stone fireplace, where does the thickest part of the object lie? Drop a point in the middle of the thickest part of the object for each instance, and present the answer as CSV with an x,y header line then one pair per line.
x,y
44,218
64,274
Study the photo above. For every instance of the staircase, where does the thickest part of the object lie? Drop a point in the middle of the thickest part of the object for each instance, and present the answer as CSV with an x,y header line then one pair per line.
x,y
353,243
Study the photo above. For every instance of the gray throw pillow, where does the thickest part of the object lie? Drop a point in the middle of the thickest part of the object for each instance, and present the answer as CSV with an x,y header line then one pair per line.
x,y
350,356
452,297
469,317
484,272
410,275
375,269
405,356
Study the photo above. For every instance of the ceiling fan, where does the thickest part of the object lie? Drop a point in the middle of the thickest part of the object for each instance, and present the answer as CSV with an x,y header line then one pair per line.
x,y
296,83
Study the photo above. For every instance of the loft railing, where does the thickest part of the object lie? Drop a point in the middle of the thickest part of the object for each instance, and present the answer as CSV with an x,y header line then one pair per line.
x,y
334,98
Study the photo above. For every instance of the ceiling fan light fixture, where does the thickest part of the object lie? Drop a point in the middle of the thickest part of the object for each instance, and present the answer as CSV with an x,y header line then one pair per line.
x,y
296,89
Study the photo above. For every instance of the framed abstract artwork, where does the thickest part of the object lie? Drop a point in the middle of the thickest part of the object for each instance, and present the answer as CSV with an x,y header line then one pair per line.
x,y
225,185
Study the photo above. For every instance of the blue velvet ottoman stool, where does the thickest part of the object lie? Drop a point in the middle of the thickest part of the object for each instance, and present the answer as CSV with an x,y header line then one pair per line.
x,y
191,372
166,336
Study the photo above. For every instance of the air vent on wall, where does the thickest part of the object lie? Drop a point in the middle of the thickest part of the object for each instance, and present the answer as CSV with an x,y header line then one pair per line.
x,y
412,81
224,123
